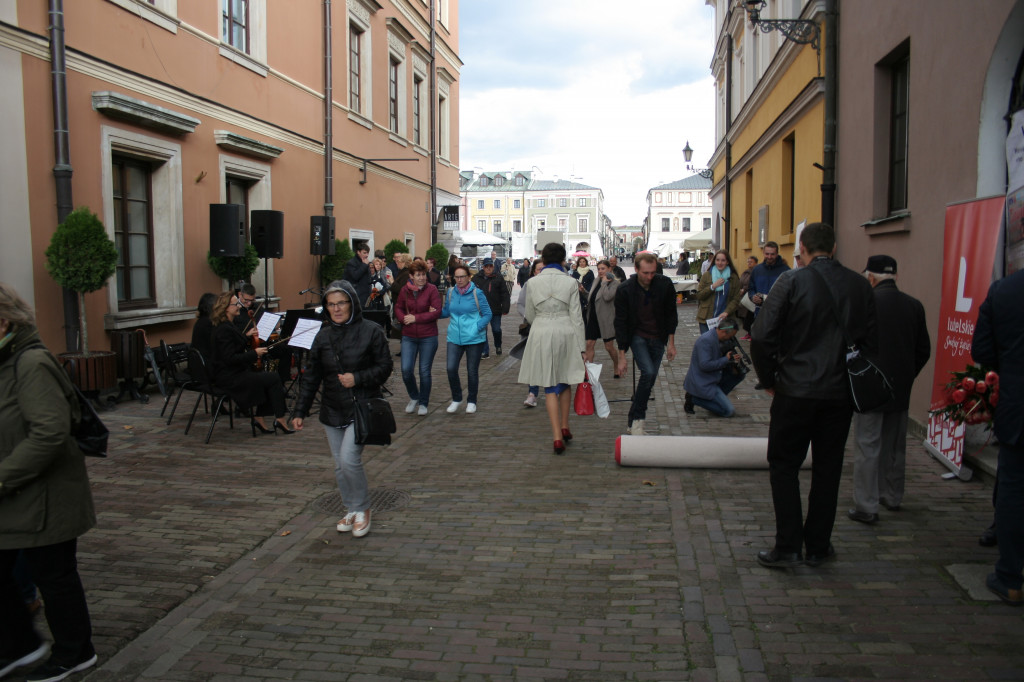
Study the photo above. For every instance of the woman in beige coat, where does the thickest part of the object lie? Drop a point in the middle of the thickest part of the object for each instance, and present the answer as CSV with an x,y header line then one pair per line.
x,y
718,293
553,357
600,323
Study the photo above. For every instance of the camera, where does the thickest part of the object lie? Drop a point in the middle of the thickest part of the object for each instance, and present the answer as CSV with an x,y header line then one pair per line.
x,y
740,366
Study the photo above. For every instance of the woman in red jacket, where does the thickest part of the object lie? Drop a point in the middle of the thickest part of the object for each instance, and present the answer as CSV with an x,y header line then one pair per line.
x,y
417,307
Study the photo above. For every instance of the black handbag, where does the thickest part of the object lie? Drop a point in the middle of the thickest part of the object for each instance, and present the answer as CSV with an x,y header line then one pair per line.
x,y
870,388
374,422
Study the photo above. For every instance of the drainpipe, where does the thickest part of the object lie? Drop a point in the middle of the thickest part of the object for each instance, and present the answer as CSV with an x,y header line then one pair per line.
x,y
328,115
728,144
828,184
61,151
433,122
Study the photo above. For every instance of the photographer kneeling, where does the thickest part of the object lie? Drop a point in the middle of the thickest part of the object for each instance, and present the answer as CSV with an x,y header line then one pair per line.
x,y
716,367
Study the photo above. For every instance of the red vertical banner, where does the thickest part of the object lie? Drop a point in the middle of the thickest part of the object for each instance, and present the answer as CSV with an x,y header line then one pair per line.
x,y
972,232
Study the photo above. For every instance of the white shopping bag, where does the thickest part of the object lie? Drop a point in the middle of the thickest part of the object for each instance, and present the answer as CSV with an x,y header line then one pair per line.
x,y
601,407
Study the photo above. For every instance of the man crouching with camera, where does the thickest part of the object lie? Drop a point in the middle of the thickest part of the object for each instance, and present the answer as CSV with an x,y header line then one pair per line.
x,y
717,366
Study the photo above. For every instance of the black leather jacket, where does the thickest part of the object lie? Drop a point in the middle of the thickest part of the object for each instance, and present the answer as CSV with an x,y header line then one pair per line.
x,y
627,302
358,346
797,346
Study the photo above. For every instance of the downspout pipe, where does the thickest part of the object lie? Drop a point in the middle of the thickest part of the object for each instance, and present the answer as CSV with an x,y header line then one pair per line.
x,y
61,150
434,133
828,184
728,143
328,113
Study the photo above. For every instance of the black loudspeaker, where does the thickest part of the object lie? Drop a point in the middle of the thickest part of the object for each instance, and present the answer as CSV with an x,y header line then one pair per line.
x,y
321,235
227,230
267,228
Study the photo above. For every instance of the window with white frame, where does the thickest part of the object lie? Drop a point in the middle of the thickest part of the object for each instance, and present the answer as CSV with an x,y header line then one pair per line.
x,y
582,202
355,68
666,225
243,33
520,181
163,13
686,224
481,225
582,225
542,203
360,63
517,225
417,110
497,203
497,226
397,84
235,24
516,203
563,203
563,222
133,231
444,82
394,67
707,223
480,204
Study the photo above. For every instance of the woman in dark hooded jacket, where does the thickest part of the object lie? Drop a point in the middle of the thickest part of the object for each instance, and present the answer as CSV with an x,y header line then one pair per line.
x,y
350,357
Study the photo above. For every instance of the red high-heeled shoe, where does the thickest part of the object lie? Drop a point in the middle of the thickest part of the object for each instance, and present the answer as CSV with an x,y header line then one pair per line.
x,y
566,435
559,447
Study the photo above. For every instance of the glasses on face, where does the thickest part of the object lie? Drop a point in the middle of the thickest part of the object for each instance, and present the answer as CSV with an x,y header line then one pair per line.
x,y
238,304
339,304
461,276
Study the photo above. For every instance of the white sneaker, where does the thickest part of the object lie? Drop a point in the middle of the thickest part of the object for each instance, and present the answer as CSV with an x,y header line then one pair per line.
x,y
453,407
345,524
531,400
411,407
422,411
26,660
470,408
362,524
638,428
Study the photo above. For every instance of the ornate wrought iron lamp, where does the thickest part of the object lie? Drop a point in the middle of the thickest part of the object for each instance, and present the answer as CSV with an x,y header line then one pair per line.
x,y
800,31
708,173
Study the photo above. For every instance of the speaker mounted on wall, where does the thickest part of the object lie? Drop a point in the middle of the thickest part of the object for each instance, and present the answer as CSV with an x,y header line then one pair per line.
x,y
321,235
267,229
227,230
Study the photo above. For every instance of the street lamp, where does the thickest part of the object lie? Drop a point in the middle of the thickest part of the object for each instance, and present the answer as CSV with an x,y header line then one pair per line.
x,y
799,31
708,173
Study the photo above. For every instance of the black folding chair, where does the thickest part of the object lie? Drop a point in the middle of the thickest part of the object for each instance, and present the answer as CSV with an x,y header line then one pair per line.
x,y
204,386
170,357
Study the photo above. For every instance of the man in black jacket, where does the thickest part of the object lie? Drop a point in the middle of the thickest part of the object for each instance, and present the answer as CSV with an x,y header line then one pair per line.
x,y
645,322
492,284
999,343
357,273
881,435
799,349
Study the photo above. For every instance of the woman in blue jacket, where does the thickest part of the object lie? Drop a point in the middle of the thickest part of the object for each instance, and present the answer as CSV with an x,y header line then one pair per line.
x,y
467,331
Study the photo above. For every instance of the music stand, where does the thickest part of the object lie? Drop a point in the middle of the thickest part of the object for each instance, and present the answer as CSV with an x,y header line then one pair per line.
x,y
291,319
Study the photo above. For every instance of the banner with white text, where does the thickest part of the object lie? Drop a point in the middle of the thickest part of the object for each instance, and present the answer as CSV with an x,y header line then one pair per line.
x,y
972,232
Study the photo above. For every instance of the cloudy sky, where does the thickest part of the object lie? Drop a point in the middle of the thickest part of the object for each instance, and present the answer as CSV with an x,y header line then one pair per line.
x,y
605,93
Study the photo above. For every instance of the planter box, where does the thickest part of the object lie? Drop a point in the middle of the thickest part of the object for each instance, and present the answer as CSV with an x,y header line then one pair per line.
x,y
97,372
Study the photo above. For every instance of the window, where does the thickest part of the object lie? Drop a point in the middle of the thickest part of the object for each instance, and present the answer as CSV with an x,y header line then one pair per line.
x,y
499,181
668,198
520,181
788,177
657,197
480,204
497,226
481,225
562,203
517,225
516,203
133,232
484,181
707,223
582,225
355,68
665,225
443,126
235,24
582,203
417,92
686,224
497,203
563,222
541,203
898,133
393,67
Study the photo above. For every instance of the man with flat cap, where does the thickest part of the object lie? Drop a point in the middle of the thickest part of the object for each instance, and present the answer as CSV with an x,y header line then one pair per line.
x,y
881,435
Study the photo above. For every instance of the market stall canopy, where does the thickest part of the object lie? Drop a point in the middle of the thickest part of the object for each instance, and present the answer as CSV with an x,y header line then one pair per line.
x,y
698,241
477,238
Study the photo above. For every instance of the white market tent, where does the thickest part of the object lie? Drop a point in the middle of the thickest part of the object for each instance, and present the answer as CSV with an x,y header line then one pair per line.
x,y
477,238
701,241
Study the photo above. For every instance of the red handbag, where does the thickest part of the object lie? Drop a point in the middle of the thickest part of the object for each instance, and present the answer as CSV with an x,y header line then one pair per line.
x,y
583,401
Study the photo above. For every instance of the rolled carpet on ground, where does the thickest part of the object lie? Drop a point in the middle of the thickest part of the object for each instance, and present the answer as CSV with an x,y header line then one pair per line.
x,y
694,452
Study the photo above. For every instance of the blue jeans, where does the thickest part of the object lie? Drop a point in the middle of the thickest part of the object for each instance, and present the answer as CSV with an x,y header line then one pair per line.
x,y
496,331
719,404
647,354
425,347
473,352
348,467
1010,515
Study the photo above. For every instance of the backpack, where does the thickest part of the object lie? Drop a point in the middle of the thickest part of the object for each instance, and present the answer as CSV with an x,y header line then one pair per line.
x,y
448,297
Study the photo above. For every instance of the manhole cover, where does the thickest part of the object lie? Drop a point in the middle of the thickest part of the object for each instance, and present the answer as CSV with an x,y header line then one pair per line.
x,y
381,499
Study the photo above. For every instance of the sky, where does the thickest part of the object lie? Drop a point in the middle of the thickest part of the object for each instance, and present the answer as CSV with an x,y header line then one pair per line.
x,y
604,93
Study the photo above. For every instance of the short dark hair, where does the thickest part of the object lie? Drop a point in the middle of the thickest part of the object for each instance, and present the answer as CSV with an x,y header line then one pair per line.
x,y
247,289
645,257
818,238
205,307
417,266
729,323
772,245
553,252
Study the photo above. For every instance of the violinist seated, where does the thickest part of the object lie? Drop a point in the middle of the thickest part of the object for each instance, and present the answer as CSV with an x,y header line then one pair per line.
x,y
248,315
232,368
202,331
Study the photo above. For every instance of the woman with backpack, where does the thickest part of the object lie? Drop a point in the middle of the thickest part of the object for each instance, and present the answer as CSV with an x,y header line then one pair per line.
x,y
470,314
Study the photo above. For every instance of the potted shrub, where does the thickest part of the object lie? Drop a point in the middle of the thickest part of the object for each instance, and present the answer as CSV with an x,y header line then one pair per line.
x,y
332,267
81,258
235,269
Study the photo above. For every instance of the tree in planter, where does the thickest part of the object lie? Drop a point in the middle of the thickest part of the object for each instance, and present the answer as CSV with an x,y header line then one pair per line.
x,y
392,247
81,258
440,255
332,267
234,268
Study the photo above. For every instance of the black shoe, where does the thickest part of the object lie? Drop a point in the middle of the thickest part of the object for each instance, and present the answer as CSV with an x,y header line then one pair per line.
x,y
988,538
485,356
10,664
890,507
815,560
52,672
278,426
260,427
688,404
773,558
498,351
862,517
1009,596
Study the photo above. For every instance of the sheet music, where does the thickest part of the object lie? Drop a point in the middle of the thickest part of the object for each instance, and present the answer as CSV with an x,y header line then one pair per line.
x,y
305,332
267,324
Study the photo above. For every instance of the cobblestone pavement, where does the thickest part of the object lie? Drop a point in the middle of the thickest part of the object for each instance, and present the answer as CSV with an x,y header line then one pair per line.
x,y
500,561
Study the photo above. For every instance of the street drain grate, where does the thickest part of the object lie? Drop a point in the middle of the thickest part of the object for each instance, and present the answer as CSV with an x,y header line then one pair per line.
x,y
381,500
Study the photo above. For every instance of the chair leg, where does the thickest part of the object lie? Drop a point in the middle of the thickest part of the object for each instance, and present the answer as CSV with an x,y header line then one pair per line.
x,y
167,401
193,415
216,413
231,412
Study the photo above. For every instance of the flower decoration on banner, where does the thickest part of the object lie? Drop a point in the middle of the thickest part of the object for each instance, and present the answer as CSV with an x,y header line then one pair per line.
x,y
972,396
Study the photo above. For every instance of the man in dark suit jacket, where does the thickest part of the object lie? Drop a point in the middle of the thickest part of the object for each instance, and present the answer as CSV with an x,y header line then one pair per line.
x,y
881,435
999,343
798,349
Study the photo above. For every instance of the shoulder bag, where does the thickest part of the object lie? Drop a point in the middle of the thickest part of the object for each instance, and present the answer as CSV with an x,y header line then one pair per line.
x,y
870,388
374,421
